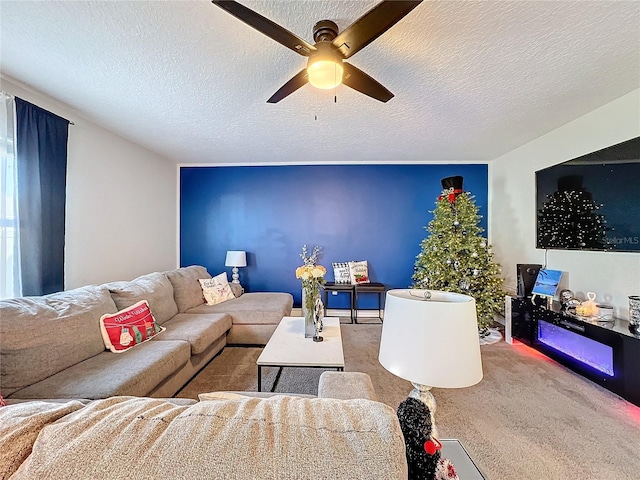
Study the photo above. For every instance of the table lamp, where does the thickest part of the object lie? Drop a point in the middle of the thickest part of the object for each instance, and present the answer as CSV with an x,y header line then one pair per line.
x,y
430,338
235,259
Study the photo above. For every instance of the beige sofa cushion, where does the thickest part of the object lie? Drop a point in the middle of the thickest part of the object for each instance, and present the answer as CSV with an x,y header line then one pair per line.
x,y
200,331
44,335
20,425
346,385
253,308
186,287
138,371
155,288
276,438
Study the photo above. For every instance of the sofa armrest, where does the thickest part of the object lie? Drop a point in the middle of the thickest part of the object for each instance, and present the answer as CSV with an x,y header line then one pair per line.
x,y
346,386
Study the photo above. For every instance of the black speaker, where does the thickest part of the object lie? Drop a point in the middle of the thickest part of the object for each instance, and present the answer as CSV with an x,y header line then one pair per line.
x,y
527,274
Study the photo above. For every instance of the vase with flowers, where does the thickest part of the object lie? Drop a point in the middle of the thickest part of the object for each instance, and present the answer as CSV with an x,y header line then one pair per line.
x,y
312,277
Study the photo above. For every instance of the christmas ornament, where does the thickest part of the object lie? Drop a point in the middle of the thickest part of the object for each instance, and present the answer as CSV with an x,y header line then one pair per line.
x,y
475,272
456,223
474,254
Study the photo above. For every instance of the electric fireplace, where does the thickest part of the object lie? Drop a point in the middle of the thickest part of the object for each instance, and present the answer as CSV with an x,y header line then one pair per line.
x,y
591,353
607,353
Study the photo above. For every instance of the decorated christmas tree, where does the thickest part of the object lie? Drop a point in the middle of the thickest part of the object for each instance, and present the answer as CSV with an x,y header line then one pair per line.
x,y
455,257
569,219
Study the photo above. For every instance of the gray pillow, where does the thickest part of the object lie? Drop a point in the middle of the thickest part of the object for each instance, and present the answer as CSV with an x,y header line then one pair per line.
x,y
187,291
155,288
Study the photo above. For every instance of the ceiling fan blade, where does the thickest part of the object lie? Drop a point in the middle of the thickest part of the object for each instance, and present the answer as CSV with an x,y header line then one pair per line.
x,y
358,80
266,26
291,86
371,25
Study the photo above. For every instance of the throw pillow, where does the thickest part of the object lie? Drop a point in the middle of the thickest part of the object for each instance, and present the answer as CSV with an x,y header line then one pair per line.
x,y
359,272
128,327
217,289
341,272
237,289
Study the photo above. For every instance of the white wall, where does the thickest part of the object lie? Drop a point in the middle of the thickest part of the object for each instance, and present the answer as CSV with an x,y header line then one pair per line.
x,y
512,220
121,202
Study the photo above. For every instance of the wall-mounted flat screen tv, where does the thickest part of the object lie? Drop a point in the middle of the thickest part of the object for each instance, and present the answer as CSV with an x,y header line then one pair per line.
x,y
591,202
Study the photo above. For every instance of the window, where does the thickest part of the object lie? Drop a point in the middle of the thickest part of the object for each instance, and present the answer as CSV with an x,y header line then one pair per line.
x,y
10,285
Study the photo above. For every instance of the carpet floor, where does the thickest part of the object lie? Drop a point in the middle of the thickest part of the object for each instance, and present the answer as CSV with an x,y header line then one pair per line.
x,y
528,419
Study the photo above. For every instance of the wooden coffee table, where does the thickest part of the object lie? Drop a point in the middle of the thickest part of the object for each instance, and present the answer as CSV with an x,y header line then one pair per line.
x,y
288,347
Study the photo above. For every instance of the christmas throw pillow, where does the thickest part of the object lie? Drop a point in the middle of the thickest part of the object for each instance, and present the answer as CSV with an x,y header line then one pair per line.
x,y
341,272
217,289
128,327
359,272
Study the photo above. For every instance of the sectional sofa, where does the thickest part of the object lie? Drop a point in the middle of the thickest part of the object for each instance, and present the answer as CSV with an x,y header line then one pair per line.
x,y
342,434
51,346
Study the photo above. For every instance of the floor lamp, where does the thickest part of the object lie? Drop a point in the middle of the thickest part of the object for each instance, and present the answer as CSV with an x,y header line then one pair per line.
x,y
430,338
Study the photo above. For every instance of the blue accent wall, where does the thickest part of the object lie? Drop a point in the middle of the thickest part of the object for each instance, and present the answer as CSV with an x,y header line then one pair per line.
x,y
353,212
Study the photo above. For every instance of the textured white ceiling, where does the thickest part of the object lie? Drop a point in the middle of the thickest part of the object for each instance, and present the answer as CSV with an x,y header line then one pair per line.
x,y
472,80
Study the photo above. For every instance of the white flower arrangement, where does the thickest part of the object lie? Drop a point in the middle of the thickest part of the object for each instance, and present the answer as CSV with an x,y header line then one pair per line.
x,y
312,275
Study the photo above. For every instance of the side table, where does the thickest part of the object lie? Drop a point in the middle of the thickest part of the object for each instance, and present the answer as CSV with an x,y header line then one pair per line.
x,y
340,288
465,467
373,287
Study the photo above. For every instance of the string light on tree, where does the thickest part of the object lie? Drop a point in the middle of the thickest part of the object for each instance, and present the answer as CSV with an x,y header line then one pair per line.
x,y
568,219
468,267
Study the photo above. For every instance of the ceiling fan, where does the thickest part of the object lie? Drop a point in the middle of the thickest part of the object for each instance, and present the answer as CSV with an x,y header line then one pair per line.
x,y
326,67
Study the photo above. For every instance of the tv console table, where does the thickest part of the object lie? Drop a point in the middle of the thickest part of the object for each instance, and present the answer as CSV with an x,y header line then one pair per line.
x,y
605,352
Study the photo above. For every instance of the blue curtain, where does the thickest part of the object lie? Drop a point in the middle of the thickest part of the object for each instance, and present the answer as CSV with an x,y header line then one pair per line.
x,y
41,152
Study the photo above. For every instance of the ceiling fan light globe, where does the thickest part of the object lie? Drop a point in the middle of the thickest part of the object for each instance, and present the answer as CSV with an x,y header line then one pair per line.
x,y
325,74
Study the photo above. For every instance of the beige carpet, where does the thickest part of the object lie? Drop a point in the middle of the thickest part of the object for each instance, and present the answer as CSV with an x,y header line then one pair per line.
x,y
529,418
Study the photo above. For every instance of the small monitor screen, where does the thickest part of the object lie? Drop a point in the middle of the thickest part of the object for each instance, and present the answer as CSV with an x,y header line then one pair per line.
x,y
547,282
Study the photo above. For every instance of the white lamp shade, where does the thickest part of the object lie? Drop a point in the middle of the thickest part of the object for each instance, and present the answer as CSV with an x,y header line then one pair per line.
x,y
431,342
236,258
324,68
325,74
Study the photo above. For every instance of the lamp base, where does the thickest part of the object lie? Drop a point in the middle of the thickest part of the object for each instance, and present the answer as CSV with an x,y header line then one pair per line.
x,y
235,276
423,393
